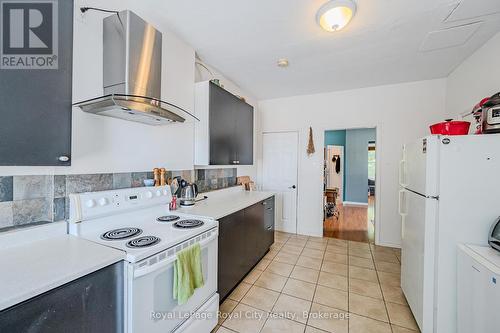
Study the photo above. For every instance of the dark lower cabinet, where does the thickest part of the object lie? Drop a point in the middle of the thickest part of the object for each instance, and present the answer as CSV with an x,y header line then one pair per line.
x,y
254,246
230,263
92,303
268,221
244,238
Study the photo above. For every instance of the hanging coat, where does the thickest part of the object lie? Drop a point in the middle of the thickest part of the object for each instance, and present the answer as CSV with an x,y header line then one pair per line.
x,y
337,165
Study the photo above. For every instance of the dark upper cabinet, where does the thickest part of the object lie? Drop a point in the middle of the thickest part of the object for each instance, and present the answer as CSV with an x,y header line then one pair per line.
x,y
224,135
35,104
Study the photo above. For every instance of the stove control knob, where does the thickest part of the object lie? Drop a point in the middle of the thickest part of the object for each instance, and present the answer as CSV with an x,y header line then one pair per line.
x,y
149,194
90,203
103,202
158,193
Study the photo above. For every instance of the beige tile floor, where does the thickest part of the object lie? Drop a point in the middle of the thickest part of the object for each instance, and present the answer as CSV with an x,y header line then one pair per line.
x,y
309,284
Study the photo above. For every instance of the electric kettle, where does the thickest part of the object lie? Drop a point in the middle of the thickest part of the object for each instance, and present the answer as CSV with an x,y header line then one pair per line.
x,y
188,195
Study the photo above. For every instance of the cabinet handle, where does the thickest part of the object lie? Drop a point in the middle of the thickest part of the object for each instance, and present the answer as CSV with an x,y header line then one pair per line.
x,y
63,158
270,227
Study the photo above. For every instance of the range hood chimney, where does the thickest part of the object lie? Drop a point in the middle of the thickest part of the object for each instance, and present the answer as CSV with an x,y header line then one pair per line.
x,y
132,56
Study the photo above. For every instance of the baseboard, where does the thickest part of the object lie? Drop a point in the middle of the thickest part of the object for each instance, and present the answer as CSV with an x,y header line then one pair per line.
x,y
353,203
395,246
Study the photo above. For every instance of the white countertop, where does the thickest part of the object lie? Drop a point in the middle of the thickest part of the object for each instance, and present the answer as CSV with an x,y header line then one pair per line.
x,y
33,268
485,255
225,202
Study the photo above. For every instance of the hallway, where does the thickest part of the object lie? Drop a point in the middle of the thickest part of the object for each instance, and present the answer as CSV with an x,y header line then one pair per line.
x,y
355,223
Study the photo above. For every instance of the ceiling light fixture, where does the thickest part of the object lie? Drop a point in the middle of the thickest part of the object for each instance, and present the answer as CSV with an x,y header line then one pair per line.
x,y
283,62
335,14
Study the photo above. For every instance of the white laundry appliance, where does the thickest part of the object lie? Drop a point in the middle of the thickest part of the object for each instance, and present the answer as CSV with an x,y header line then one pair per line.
x,y
138,222
478,277
449,192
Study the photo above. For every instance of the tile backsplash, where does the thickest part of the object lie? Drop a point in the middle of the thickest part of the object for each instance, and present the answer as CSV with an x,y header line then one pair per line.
x,y
26,200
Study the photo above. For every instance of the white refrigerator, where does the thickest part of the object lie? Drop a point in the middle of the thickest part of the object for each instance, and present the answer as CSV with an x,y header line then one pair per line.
x,y
449,194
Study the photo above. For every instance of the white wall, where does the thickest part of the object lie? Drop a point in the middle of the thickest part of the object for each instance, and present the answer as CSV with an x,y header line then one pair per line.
x,y
477,77
101,144
401,113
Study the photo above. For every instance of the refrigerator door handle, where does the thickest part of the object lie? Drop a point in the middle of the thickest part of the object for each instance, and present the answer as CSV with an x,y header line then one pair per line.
x,y
402,173
400,203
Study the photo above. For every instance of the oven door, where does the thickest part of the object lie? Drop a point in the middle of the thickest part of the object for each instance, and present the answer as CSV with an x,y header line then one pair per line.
x,y
151,306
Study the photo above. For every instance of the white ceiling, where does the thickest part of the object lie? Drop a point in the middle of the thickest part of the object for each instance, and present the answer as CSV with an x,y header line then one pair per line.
x,y
382,45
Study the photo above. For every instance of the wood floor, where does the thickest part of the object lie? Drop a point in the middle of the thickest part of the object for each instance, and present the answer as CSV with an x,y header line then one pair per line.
x,y
353,224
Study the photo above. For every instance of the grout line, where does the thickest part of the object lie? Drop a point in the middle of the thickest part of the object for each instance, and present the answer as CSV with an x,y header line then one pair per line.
x,y
383,296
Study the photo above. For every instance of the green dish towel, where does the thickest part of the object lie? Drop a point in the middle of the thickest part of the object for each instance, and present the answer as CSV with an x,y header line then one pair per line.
x,y
188,274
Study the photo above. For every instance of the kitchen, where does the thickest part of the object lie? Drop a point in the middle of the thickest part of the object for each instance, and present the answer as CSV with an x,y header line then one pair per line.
x,y
62,155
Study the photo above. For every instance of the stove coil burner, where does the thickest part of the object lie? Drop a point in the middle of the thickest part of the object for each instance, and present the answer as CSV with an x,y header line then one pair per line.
x,y
143,241
188,224
168,218
122,233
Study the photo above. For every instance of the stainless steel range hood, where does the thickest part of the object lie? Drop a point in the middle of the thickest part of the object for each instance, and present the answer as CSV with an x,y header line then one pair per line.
x,y
132,74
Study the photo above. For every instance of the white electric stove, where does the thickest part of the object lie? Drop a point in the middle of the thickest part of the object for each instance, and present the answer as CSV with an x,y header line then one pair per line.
x,y
138,222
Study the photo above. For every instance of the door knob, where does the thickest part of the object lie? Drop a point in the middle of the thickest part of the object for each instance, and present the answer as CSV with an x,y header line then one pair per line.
x,y
293,187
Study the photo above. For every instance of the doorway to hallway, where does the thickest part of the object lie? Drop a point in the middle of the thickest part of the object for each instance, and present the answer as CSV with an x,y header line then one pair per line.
x,y
349,184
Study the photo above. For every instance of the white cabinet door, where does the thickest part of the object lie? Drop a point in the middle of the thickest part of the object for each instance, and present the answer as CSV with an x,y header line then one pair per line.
x,y
279,174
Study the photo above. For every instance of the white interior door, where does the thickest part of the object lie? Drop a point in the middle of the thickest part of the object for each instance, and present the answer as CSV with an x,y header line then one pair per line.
x,y
279,174
335,180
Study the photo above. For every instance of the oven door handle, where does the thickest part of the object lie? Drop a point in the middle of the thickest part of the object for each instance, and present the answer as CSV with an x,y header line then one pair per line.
x,y
167,261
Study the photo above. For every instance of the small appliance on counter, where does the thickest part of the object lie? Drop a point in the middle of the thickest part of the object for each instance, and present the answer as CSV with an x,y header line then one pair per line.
x,y
494,236
491,115
188,194
451,127
477,113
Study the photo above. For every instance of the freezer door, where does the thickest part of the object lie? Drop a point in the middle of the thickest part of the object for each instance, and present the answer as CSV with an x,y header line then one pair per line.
x,y
419,166
417,256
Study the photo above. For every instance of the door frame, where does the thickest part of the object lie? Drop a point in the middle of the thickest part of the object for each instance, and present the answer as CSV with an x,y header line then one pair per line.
x,y
296,170
378,198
